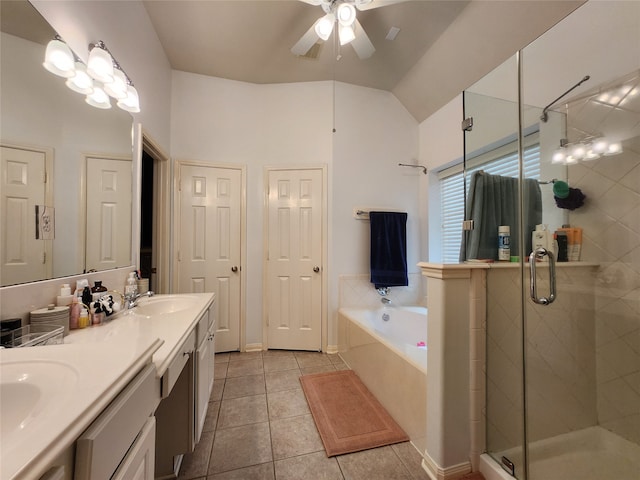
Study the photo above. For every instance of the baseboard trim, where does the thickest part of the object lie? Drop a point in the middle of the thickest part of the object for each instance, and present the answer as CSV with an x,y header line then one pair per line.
x,y
436,472
253,347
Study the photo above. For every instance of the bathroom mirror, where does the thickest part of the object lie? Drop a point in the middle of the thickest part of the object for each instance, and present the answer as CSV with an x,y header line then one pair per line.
x,y
45,122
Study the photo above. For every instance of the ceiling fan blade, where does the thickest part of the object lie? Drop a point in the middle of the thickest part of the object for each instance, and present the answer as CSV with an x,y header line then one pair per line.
x,y
312,2
305,43
361,44
368,5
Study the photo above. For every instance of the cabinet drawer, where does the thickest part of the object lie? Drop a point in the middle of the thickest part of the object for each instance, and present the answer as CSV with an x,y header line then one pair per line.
x,y
104,444
175,367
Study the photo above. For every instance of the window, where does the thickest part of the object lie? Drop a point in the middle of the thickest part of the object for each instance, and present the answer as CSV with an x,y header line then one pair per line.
x,y
501,161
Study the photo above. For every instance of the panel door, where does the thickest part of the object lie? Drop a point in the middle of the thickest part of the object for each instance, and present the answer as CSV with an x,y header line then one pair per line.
x,y
24,257
294,260
108,224
210,243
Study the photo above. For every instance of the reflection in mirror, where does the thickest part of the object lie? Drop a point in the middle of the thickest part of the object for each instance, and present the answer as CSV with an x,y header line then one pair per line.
x,y
50,133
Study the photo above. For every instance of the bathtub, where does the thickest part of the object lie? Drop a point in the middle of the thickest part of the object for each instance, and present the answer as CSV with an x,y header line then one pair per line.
x,y
387,349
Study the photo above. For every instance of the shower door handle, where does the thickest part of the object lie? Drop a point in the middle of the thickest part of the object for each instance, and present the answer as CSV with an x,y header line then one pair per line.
x,y
539,254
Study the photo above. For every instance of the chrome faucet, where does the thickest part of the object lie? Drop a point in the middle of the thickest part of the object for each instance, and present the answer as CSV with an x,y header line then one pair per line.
x,y
131,300
385,300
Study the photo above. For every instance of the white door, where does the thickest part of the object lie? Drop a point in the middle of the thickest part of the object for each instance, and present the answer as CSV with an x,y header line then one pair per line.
x,y
108,213
209,245
294,259
24,257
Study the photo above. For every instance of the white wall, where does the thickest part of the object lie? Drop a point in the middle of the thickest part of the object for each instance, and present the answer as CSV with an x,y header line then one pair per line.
x,y
225,121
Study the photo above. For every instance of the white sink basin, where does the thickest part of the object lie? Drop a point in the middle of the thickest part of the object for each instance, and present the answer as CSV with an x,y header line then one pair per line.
x,y
29,388
164,304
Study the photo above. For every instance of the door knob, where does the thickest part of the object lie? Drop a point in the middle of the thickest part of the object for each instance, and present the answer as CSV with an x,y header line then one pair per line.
x,y
234,269
316,269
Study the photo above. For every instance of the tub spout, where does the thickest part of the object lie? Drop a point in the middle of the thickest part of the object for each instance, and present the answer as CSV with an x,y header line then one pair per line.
x,y
385,300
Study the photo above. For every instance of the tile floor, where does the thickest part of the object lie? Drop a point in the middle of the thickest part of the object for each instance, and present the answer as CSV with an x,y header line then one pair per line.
x,y
259,427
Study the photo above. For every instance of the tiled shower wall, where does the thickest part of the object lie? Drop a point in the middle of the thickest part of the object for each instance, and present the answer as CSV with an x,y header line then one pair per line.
x,y
611,221
357,291
560,356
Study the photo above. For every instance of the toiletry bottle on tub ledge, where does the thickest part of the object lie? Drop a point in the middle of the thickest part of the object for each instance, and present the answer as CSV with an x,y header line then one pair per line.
x,y
504,243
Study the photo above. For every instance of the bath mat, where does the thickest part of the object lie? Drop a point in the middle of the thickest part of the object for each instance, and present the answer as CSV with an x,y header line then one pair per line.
x,y
347,415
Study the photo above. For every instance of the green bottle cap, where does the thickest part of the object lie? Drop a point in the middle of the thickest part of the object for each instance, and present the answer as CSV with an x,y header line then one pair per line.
x,y
560,189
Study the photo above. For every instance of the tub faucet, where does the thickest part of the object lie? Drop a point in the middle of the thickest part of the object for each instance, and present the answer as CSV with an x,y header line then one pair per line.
x,y
385,300
131,301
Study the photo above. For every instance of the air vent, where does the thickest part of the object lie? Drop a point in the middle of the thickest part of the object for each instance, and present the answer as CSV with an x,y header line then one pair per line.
x,y
393,33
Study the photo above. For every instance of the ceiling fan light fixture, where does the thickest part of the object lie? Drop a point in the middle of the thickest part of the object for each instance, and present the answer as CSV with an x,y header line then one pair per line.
x,y
346,14
324,26
347,35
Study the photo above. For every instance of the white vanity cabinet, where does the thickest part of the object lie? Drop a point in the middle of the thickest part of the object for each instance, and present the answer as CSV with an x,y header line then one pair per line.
x,y
114,440
186,388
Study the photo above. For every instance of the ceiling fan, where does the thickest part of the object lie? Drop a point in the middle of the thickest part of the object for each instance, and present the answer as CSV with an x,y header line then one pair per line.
x,y
343,14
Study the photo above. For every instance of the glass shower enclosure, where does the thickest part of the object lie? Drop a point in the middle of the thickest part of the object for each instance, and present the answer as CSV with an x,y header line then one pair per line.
x,y
563,337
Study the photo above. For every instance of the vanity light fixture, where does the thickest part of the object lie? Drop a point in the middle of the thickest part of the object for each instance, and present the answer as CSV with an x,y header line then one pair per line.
x,y
100,64
58,58
80,82
590,148
100,78
98,98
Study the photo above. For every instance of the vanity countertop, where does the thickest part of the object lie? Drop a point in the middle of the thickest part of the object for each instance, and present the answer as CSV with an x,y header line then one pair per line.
x,y
94,364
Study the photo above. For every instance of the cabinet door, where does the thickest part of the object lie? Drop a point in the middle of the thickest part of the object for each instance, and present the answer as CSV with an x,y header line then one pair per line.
x,y
203,360
140,460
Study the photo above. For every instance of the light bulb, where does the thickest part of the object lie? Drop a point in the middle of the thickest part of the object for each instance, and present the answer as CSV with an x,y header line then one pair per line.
x,y
324,26
578,151
614,149
346,35
346,14
58,59
591,154
570,160
100,65
599,145
132,102
559,156
81,82
98,98
118,88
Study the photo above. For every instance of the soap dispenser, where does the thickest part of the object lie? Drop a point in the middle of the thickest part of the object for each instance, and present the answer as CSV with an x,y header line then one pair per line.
x,y
131,288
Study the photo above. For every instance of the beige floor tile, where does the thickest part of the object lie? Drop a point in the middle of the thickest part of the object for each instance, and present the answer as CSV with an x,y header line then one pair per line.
x,y
211,420
285,380
196,463
279,363
263,471
411,459
243,356
240,447
318,369
222,358
236,387
314,466
288,403
312,359
218,388
245,367
294,436
243,411
277,353
375,464
220,370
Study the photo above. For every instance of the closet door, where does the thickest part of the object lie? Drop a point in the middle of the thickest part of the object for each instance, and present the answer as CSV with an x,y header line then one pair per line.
x,y
294,259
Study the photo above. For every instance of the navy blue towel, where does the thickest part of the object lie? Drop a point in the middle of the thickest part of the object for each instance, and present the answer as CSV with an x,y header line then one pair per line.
x,y
388,249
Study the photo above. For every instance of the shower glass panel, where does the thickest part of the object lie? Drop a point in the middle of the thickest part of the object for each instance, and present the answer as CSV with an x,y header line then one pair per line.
x,y
491,146
582,352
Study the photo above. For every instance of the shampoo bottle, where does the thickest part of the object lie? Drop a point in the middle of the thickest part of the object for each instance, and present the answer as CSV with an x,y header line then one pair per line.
x,y
504,243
